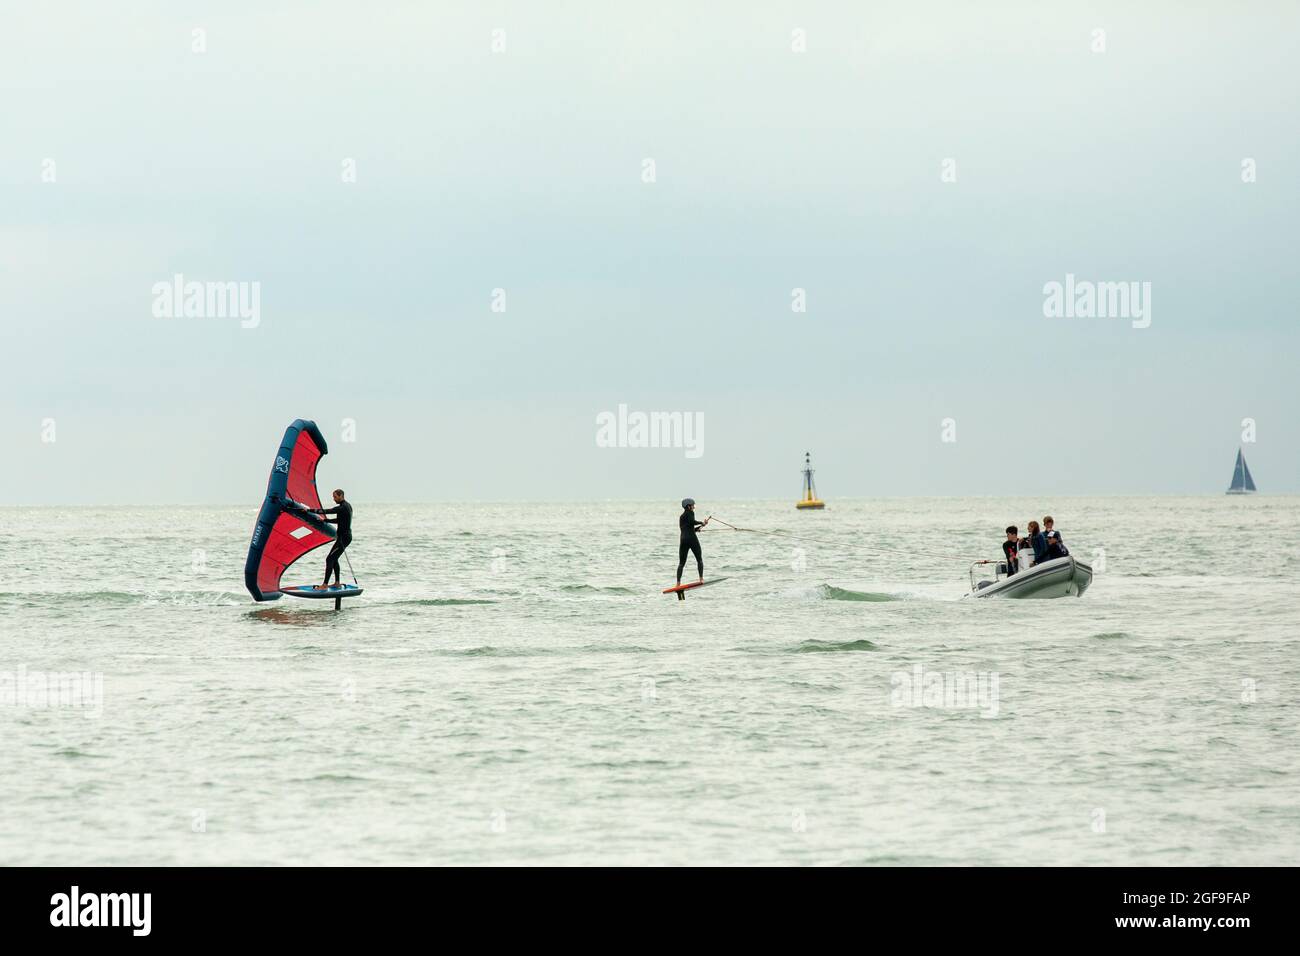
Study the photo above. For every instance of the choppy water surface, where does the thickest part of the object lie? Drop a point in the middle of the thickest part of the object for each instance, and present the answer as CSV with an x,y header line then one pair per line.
x,y
513,688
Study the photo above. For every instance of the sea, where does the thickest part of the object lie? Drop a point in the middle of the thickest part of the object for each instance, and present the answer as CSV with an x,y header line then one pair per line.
x,y
513,688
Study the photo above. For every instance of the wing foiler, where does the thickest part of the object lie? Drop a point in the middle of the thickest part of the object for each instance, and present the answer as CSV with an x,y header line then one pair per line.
x,y
284,530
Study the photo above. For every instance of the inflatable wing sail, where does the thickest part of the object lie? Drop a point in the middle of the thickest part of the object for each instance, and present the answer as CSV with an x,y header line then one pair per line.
x,y
284,531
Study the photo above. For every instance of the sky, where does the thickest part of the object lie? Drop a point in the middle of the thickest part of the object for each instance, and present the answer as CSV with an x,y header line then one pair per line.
x,y
649,185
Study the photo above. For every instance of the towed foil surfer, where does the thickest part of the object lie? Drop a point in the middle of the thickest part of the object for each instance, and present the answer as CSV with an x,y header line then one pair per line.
x,y
689,541
342,514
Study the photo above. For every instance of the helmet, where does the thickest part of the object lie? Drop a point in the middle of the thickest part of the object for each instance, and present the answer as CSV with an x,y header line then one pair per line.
x,y
687,502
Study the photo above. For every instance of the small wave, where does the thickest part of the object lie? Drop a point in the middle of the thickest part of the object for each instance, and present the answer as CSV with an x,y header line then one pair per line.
x,y
592,589
445,602
830,647
831,593
81,597
1110,636
154,598
193,599
488,651
333,778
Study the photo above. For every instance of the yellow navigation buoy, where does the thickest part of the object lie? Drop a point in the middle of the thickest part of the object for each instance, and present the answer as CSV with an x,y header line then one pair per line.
x,y
809,499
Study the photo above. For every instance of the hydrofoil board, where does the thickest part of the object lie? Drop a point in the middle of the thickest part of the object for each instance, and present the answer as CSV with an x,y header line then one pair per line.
x,y
691,585
333,591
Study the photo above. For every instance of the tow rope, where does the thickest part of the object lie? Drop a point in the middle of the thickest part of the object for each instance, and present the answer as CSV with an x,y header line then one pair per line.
x,y
858,547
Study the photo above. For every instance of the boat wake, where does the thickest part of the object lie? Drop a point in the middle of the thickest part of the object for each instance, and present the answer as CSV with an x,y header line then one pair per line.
x,y
828,592
441,602
833,647
594,589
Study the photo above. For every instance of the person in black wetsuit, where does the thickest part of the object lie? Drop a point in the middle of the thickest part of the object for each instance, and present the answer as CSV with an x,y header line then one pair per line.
x,y
689,541
342,514
1009,549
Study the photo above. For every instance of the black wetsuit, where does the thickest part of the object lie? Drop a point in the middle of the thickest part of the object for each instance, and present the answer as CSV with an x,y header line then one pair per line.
x,y
689,542
1009,549
342,514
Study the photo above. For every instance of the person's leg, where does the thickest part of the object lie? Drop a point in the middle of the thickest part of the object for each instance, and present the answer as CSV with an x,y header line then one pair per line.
x,y
340,546
681,559
331,563
699,558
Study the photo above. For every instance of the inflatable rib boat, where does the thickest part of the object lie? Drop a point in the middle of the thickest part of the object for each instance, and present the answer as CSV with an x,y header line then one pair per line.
x,y
1060,577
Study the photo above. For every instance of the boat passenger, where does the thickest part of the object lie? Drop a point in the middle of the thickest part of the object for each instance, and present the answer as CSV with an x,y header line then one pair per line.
x,y
1024,555
1009,549
1047,526
1055,547
1036,541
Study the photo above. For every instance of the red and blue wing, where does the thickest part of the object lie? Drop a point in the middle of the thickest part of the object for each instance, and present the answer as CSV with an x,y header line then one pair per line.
x,y
284,531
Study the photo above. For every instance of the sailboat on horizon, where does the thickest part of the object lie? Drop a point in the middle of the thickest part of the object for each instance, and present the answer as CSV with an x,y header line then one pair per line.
x,y
1242,483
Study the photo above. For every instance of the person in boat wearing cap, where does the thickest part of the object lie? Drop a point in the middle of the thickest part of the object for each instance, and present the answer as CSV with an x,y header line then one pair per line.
x,y
342,514
1055,546
689,541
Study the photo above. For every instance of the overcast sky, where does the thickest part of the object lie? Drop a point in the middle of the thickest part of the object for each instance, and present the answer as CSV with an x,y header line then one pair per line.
x,y
127,156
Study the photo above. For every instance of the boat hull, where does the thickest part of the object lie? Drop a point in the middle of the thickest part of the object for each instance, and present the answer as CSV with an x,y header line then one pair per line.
x,y
1060,577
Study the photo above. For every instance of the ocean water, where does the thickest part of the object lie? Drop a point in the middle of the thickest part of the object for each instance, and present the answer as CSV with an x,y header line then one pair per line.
x,y
512,688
